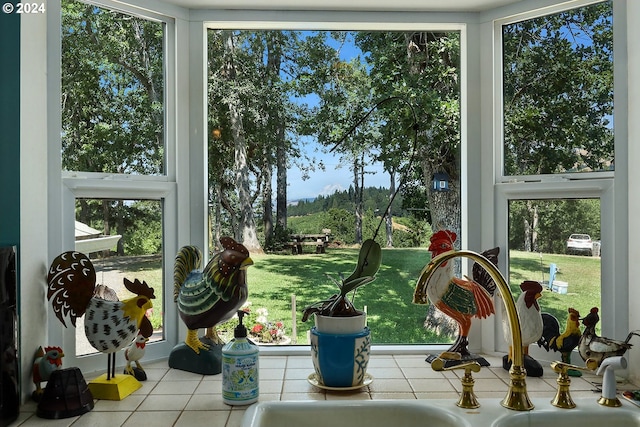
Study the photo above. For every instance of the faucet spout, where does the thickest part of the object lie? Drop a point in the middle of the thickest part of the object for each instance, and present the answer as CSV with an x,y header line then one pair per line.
x,y
517,398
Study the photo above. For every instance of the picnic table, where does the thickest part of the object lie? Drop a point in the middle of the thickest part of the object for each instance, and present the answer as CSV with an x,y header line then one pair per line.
x,y
320,241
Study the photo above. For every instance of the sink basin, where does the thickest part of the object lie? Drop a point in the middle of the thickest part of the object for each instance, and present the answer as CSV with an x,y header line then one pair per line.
x,y
587,413
343,413
435,413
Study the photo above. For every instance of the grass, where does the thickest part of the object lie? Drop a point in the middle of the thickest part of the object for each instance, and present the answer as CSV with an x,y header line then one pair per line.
x,y
392,316
582,273
273,279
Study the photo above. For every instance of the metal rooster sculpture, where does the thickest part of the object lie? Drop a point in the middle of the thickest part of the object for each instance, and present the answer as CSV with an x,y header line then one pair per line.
x,y
594,347
460,299
47,360
208,297
109,325
530,326
563,342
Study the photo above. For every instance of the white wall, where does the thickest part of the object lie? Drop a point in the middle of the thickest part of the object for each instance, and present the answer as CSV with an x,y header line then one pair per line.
x,y
633,159
32,251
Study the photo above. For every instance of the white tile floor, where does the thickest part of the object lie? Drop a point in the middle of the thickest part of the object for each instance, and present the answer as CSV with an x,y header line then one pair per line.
x,y
172,397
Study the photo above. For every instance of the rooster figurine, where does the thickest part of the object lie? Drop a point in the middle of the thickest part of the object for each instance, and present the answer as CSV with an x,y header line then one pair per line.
x,y
563,342
208,297
47,360
596,348
460,299
133,353
530,326
108,325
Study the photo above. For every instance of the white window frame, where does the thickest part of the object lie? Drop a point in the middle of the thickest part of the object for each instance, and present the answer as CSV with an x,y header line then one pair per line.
x,y
351,22
600,185
78,184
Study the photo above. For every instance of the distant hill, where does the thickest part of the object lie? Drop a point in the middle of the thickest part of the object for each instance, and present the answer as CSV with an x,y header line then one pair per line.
x,y
375,200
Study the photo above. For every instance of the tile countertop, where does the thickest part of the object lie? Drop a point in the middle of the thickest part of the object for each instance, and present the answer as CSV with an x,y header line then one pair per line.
x,y
172,397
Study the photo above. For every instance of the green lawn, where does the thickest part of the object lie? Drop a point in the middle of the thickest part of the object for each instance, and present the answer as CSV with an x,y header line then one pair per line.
x,y
273,279
582,273
393,318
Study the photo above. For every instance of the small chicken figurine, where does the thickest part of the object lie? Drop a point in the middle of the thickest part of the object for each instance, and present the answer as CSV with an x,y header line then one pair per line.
x,y
133,353
530,326
47,360
565,342
108,325
209,297
596,348
460,299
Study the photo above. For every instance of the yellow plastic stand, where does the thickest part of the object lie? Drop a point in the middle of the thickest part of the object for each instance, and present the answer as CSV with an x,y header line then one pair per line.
x,y
116,388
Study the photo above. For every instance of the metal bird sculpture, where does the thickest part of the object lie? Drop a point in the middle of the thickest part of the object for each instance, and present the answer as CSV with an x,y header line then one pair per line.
x,y
460,299
108,325
594,347
208,297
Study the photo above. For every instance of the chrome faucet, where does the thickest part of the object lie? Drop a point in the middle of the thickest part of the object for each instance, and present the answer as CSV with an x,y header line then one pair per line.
x,y
517,397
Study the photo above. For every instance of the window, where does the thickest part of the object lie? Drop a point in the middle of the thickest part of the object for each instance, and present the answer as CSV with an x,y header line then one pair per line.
x,y
112,91
123,239
558,92
278,101
117,158
543,247
555,174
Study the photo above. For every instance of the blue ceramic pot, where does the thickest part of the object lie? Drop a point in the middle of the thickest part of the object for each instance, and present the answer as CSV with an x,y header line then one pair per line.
x,y
340,360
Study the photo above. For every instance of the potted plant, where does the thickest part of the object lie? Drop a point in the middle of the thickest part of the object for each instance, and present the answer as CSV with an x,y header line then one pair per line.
x,y
340,339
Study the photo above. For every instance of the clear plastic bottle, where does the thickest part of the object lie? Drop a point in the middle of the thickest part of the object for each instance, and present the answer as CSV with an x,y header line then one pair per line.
x,y
240,385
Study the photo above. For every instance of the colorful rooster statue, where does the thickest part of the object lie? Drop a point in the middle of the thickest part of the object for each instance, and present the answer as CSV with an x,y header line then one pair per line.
x,y
563,342
133,353
109,325
208,297
530,326
594,347
460,299
47,360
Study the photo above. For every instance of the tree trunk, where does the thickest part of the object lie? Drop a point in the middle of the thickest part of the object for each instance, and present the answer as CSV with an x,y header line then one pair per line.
x,y
358,182
247,230
388,215
281,186
534,231
267,204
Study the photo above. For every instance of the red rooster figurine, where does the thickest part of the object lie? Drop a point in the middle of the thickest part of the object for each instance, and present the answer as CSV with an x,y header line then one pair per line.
x,y
460,299
47,360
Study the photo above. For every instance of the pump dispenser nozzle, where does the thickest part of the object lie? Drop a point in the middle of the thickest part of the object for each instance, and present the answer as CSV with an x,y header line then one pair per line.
x,y
240,331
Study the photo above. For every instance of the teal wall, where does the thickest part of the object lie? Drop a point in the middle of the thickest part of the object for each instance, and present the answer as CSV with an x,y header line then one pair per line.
x,y
9,128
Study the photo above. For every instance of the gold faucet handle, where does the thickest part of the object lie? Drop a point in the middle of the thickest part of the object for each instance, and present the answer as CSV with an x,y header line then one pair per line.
x,y
563,397
468,398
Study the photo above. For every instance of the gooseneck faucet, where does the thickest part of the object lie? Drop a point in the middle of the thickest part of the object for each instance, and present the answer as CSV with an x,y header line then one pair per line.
x,y
517,397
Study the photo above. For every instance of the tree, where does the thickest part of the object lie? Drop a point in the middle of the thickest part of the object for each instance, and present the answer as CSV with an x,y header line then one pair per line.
x,y
112,101
423,69
558,92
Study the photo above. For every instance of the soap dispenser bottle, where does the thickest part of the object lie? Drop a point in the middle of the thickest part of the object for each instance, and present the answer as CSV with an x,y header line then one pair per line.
x,y
240,368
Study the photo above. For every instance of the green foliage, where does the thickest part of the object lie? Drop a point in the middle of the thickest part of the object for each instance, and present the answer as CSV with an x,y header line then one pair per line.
x,y
112,91
558,92
552,221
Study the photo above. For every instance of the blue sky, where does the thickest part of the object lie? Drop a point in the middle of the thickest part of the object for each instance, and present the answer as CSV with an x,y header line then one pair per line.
x,y
335,177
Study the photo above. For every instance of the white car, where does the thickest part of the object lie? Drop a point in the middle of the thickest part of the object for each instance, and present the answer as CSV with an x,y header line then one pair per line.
x,y
579,244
